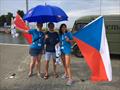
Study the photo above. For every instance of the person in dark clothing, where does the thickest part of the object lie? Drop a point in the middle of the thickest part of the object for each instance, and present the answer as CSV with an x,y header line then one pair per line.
x,y
51,39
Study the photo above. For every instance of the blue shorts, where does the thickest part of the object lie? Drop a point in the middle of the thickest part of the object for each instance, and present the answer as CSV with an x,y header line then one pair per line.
x,y
35,52
66,52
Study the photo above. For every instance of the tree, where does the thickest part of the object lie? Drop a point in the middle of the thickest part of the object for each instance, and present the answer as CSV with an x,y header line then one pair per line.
x,y
21,13
8,18
2,20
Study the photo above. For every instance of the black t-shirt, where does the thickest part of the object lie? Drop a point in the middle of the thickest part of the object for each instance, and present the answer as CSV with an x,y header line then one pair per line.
x,y
51,41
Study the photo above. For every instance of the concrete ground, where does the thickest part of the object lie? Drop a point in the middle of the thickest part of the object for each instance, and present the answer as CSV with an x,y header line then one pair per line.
x,y
14,63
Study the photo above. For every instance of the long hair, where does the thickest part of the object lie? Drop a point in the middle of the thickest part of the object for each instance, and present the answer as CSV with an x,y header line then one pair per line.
x,y
60,29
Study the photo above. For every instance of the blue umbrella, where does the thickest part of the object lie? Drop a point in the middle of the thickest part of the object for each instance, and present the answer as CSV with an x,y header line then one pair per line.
x,y
45,13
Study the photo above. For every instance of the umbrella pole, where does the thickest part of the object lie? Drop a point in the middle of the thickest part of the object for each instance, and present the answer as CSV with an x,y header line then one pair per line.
x,y
46,26
46,22
45,3
27,9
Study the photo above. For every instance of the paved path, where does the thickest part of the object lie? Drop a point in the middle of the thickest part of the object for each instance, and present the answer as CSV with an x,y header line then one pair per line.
x,y
14,59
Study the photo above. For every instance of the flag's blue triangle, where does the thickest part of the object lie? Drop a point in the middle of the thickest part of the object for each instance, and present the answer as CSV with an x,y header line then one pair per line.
x,y
91,33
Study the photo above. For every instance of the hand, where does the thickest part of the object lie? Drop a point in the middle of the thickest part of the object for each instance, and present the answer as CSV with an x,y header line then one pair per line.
x,y
46,36
43,51
57,45
67,39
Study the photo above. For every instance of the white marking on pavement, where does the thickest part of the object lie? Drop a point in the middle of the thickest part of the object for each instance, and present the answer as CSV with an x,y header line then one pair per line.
x,y
14,44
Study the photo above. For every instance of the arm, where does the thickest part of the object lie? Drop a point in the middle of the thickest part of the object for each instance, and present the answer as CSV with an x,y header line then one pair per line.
x,y
47,41
24,31
69,37
57,38
68,40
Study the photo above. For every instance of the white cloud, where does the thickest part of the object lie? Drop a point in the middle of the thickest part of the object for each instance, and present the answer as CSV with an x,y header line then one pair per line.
x,y
73,8
92,11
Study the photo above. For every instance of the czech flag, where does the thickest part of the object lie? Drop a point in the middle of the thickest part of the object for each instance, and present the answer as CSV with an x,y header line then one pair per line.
x,y
93,45
21,25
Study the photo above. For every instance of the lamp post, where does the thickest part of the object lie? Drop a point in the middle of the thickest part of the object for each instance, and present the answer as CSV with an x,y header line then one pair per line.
x,y
26,5
100,7
27,9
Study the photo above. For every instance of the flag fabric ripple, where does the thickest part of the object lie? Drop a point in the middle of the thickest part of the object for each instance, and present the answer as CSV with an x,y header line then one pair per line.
x,y
20,24
93,45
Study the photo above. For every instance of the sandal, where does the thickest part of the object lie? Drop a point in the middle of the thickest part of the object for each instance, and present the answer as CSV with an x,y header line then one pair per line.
x,y
30,74
56,75
46,76
38,74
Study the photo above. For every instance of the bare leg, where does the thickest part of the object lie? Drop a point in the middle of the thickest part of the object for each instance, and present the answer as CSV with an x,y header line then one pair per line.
x,y
46,67
54,68
38,63
68,66
32,64
64,64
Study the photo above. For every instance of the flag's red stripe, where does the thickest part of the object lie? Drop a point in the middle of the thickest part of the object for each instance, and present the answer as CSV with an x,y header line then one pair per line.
x,y
28,37
94,61
20,24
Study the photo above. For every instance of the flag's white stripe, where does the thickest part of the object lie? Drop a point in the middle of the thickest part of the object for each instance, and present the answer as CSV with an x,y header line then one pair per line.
x,y
104,51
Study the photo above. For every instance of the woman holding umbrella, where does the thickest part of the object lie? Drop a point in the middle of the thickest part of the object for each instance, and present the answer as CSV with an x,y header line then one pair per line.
x,y
36,48
45,13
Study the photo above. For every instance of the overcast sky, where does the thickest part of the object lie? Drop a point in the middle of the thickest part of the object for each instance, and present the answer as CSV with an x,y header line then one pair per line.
x,y
73,8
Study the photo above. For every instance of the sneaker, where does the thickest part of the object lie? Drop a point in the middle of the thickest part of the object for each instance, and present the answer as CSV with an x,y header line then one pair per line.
x,y
46,77
64,76
39,75
69,82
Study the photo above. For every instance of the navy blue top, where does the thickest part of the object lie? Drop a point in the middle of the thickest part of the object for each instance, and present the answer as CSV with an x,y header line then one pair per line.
x,y
37,39
51,41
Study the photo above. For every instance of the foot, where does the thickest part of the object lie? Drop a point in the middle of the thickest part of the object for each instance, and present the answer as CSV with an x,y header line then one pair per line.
x,y
30,74
56,75
46,77
69,82
64,76
38,74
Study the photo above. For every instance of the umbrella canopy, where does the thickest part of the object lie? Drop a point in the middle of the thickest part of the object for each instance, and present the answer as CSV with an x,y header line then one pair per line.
x,y
45,13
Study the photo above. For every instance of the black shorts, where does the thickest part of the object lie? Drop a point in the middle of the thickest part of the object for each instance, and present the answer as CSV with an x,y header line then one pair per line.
x,y
35,52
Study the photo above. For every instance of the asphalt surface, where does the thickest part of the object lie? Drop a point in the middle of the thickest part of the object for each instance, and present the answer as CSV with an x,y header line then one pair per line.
x,y
14,66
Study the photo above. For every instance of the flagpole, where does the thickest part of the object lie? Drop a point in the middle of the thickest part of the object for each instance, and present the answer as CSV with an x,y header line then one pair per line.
x,y
27,9
100,6
26,5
